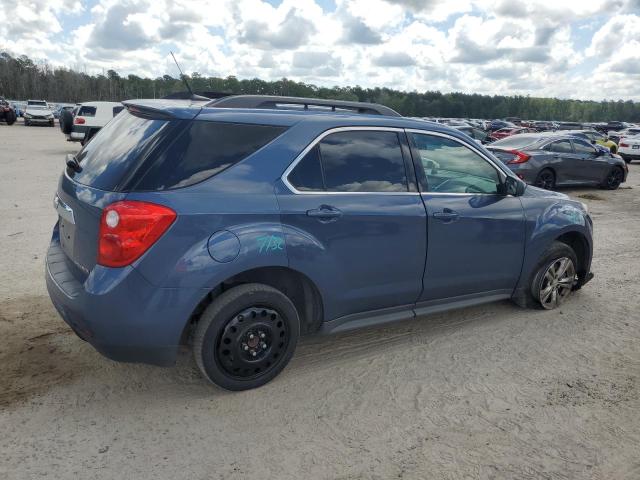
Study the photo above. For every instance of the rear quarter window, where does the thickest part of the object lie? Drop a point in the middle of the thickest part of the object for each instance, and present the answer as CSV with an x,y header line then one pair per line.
x,y
203,150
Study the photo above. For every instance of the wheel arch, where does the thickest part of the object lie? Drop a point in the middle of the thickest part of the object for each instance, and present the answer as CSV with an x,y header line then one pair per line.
x,y
580,245
299,288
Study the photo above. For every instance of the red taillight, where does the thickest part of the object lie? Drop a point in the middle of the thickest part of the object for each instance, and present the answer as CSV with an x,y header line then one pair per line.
x,y
520,157
625,145
79,121
128,229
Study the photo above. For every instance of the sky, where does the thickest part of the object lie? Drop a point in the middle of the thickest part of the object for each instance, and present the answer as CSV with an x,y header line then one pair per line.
x,y
583,49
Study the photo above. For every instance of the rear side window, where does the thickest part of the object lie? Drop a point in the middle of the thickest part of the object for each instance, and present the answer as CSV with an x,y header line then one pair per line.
x,y
87,111
561,146
353,161
204,149
114,150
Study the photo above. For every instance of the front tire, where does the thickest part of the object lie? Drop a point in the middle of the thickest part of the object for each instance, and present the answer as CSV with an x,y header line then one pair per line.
x,y
553,279
246,337
613,179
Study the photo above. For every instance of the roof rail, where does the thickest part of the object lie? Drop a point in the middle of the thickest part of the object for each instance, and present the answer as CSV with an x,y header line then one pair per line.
x,y
289,103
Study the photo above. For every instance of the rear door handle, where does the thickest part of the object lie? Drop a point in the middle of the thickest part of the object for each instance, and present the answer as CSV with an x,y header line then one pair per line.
x,y
324,212
446,215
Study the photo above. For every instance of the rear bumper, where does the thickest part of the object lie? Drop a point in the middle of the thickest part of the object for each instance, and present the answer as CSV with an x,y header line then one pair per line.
x,y
117,311
631,154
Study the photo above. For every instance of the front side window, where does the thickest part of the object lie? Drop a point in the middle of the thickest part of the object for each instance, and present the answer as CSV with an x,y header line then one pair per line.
x,y
353,161
451,167
583,147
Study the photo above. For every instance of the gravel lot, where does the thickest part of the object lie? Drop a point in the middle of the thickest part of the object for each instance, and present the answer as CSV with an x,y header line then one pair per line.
x,y
487,392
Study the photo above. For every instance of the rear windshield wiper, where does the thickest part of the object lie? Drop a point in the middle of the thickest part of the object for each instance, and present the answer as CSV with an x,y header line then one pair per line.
x,y
72,163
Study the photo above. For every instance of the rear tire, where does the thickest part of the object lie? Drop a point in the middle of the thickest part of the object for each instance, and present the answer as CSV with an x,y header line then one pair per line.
x,y
546,289
246,337
545,179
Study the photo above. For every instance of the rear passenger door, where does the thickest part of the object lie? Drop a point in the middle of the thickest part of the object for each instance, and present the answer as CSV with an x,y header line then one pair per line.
x,y
565,163
354,221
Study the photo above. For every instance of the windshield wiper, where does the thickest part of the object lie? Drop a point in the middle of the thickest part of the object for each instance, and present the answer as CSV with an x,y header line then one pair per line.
x,y
72,163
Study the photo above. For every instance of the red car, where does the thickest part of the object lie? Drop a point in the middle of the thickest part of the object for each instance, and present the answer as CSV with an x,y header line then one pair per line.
x,y
507,132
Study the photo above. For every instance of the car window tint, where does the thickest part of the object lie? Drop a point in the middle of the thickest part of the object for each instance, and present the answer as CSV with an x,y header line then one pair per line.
x,y
583,147
87,111
561,146
115,150
307,174
451,167
205,149
363,161
117,110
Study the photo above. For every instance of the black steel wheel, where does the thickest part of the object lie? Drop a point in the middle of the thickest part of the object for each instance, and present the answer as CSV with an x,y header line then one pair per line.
x,y
613,179
246,336
546,179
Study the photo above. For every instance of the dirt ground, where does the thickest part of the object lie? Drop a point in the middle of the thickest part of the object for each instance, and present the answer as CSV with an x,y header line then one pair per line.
x,y
487,392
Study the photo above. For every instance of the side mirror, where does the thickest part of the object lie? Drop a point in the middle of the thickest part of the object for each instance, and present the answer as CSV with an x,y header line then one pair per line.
x,y
513,186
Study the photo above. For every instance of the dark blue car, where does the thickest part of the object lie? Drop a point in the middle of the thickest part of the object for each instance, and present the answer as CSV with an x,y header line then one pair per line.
x,y
237,226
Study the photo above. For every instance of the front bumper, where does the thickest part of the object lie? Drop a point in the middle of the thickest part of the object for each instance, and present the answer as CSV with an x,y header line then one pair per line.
x,y
44,121
117,311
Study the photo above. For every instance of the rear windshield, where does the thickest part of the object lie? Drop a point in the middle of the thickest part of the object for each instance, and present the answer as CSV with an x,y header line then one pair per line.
x,y
516,141
114,150
87,112
204,149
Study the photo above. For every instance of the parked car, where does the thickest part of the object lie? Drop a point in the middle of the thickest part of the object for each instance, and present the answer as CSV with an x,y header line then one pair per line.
x,y
7,113
595,138
616,136
507,132
82,123
569,126
629,148
477,134
550,160
242,225
615,126
544,126
38,112
498,124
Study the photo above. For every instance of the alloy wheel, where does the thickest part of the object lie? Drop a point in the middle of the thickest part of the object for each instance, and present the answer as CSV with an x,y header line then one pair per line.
x,y
557,283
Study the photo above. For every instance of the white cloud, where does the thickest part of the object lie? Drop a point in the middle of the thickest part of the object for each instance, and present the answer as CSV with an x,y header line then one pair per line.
x,y
573,48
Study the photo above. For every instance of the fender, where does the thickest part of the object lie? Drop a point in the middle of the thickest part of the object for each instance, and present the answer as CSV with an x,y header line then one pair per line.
x,y
544,223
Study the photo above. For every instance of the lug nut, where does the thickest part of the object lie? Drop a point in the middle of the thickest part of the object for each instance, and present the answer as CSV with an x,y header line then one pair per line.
x,y
264,345
246,347
253,353
262,335
251,336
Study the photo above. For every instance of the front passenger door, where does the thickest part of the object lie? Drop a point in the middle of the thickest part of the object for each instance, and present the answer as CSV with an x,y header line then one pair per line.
x,y
476,234
594,167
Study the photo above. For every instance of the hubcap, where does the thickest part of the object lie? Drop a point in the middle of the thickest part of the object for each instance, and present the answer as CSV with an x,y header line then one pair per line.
x,y
252,342
557,283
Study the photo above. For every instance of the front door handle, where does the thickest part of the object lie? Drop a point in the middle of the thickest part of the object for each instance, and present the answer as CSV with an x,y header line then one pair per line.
x,y
325,213
446,215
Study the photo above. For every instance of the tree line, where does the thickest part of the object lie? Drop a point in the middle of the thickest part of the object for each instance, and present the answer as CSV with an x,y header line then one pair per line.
x,y
22,78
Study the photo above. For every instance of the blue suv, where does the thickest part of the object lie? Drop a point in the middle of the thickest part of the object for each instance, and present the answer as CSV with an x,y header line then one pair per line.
x,y
238,225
